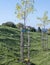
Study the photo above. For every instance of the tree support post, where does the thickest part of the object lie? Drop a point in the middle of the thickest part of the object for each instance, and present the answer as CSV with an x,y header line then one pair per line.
x,y
28,47
22,47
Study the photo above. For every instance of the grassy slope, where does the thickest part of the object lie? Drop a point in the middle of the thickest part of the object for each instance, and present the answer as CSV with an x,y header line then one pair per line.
x,y
38,56
9,47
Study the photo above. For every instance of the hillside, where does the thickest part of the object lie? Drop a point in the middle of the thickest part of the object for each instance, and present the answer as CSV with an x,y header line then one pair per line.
x,y
10,47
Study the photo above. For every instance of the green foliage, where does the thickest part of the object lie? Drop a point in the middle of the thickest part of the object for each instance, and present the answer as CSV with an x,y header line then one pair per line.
x,y
19,25
32,29
24,8
44,19
10,24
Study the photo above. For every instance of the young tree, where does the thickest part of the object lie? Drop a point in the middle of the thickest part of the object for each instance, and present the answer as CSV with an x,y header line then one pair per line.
x,y
23,9
45,22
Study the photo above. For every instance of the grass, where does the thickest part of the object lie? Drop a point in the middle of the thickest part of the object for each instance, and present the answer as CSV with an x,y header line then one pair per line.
x,y
10,47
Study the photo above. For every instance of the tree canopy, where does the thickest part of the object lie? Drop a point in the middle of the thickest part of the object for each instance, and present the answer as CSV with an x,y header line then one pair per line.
x,y
24,8
44,19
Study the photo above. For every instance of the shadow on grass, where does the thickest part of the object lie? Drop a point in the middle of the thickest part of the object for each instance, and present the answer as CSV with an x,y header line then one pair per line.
x,y
34,51
32,64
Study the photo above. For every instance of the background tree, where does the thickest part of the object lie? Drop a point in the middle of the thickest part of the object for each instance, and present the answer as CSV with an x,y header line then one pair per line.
x,y
45,22
19,25
9,24
32,29
44,19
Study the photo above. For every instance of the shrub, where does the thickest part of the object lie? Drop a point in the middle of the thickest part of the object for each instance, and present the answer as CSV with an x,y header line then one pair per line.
x,y
32,29
19,25
10,24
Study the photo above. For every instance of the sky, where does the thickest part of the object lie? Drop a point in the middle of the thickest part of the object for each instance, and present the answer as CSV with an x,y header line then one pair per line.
x,y
7,12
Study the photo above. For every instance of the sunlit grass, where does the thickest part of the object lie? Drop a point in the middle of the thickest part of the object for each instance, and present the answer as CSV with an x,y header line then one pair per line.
x,y
10,48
